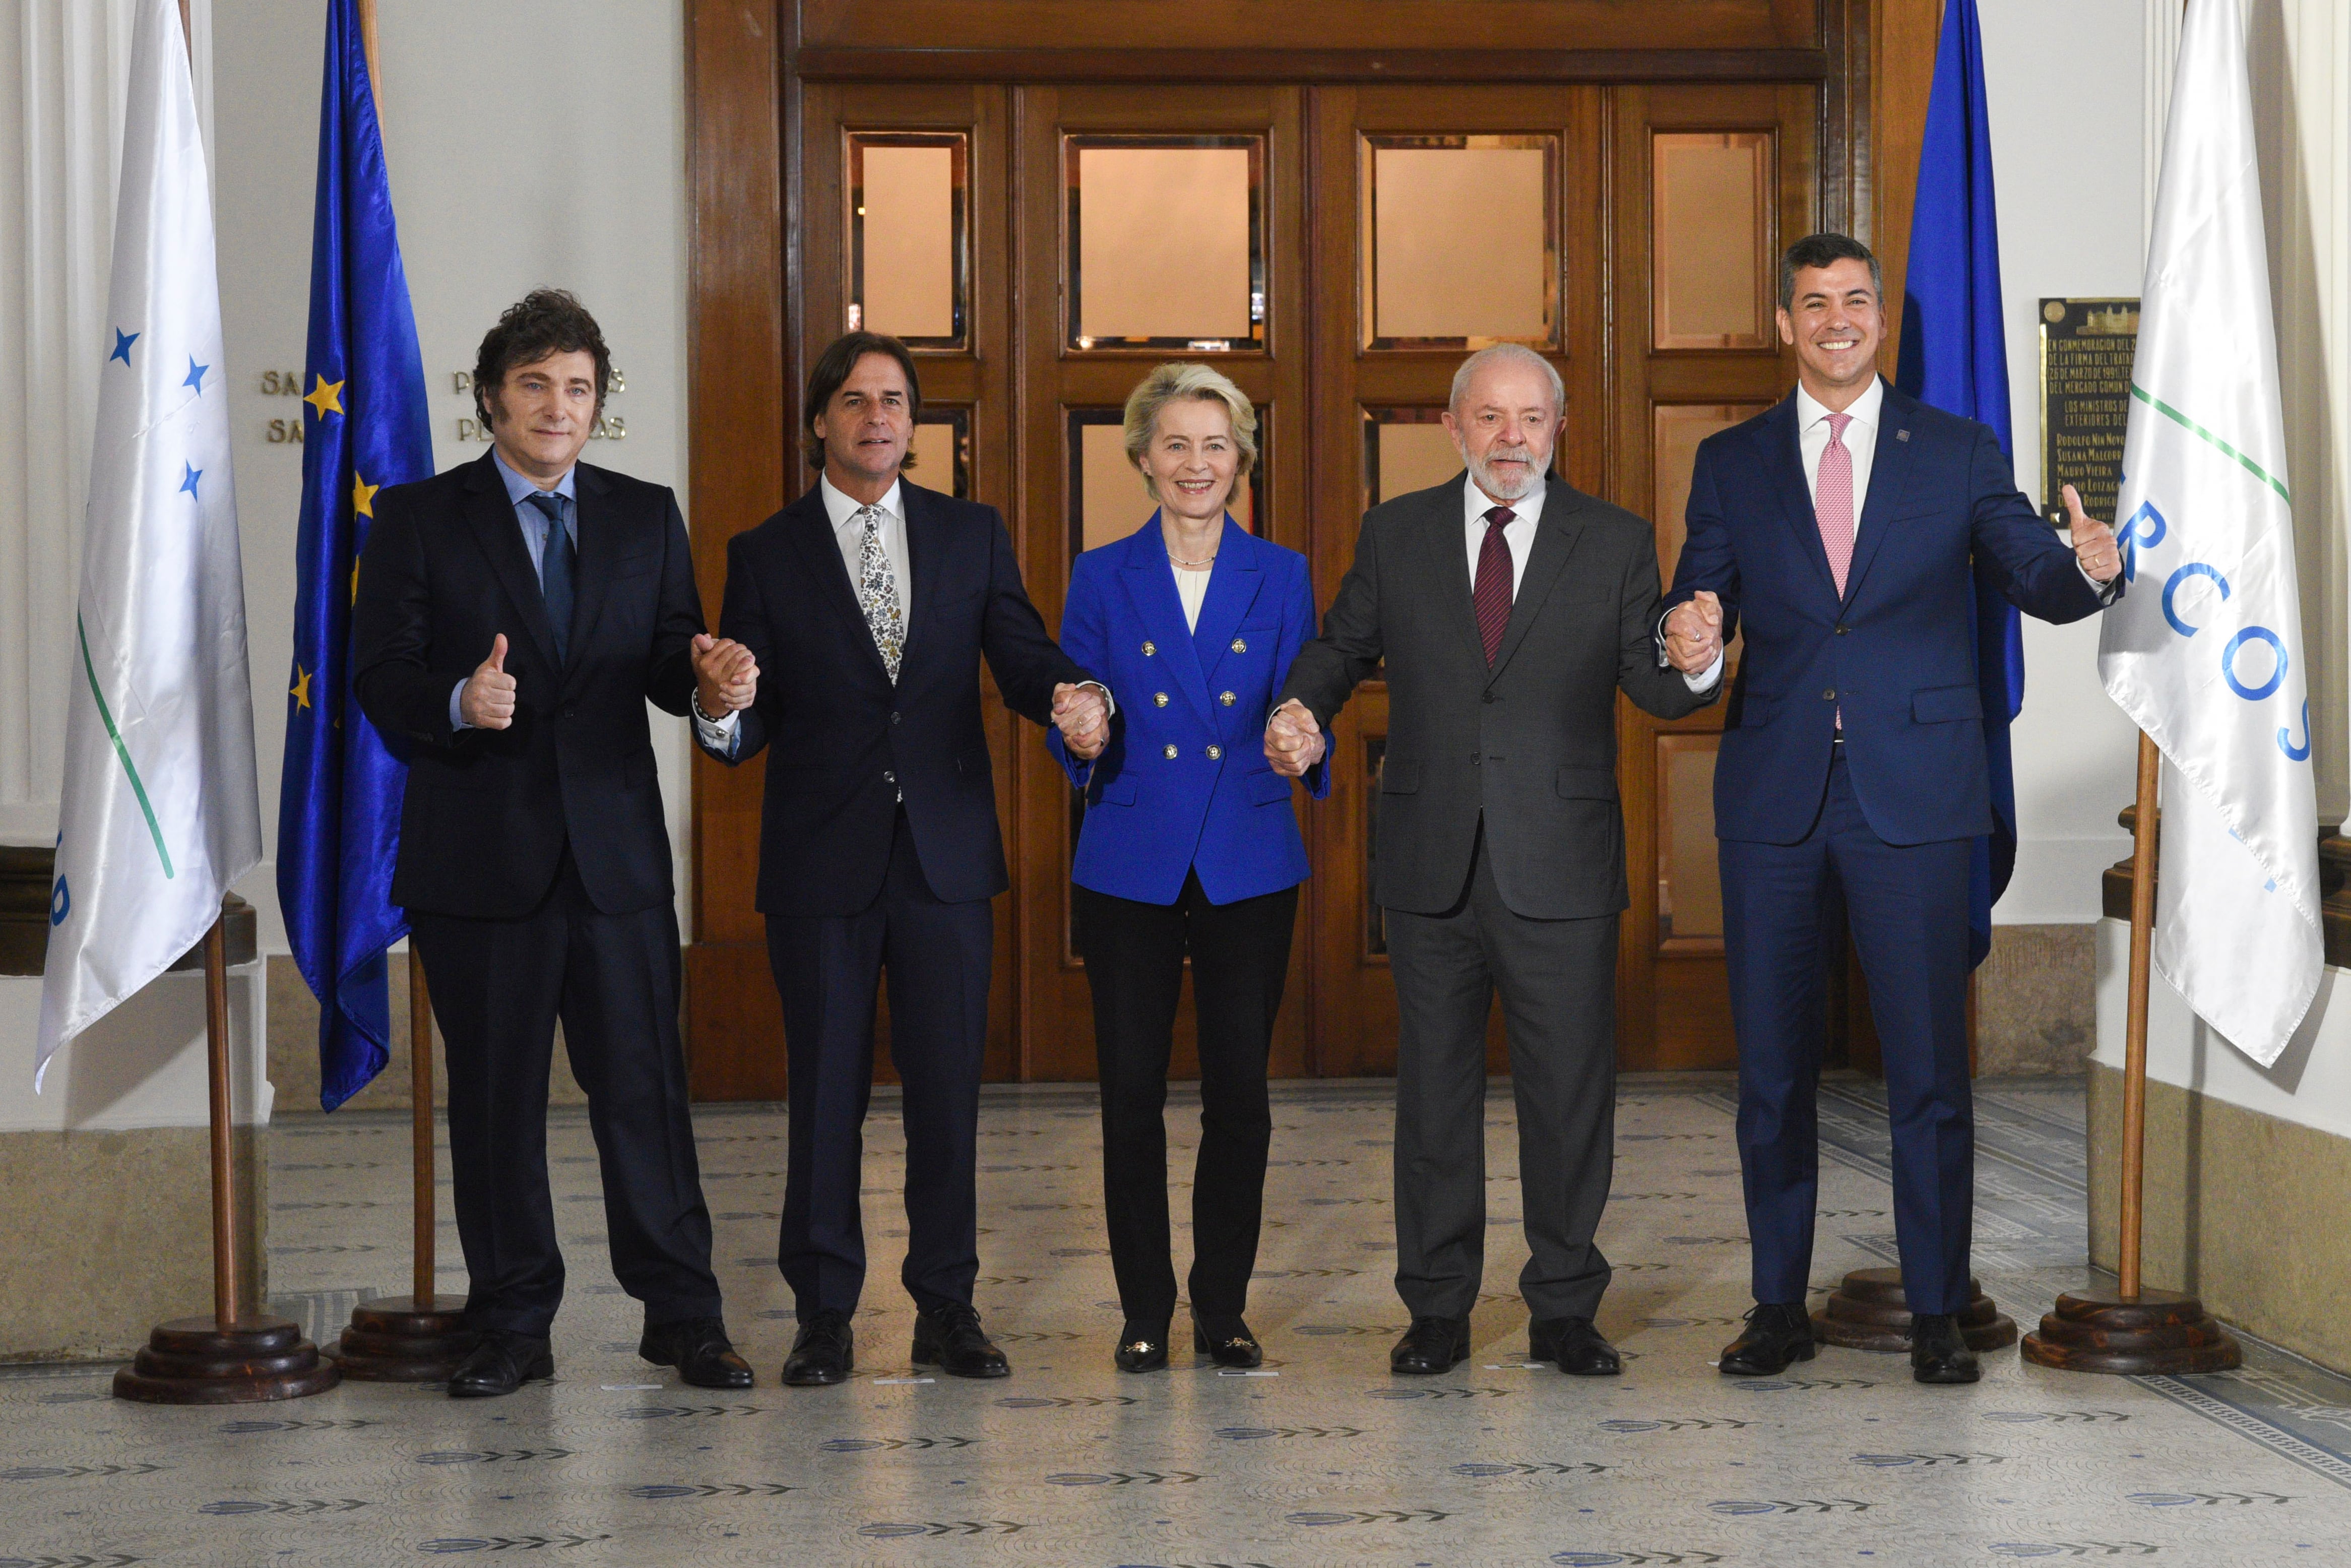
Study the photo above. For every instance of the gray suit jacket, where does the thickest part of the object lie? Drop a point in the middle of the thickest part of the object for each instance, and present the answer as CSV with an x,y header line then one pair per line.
x,y
1530,743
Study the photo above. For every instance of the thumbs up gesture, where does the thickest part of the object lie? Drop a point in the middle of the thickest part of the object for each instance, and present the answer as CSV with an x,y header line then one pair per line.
x,y
2093,542
1694,634
489,702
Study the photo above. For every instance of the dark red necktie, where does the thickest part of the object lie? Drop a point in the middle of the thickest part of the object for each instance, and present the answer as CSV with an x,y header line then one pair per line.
x,y
1491,597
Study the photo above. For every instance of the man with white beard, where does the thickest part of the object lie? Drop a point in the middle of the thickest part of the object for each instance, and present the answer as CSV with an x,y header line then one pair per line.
x,y
1509,608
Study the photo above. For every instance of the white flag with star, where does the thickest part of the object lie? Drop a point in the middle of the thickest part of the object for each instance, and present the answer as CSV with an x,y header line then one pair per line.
x,y
160,813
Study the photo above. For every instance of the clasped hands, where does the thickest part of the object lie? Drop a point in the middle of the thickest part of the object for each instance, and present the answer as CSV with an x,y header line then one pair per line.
x,y
726,676
1082,716
1694,634
1293,741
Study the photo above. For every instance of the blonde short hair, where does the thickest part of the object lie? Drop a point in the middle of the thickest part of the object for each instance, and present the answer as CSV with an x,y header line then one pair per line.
x,y
1173,382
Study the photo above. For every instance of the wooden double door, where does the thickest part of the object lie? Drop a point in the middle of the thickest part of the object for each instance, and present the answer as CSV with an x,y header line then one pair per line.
x,y
1336,250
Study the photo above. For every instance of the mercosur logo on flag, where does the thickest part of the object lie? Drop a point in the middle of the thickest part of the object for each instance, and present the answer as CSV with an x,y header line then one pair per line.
x,y
2205,653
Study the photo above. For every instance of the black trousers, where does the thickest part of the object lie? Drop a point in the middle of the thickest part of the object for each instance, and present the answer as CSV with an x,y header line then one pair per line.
x,y
499,986
1135,966
1557,979
828,968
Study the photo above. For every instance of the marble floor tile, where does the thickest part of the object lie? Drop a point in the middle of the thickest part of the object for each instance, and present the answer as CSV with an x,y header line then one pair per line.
x,y
1322,1458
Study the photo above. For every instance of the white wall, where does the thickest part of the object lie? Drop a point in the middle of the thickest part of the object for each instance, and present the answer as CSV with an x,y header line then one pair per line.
x,y
530,143
2063,89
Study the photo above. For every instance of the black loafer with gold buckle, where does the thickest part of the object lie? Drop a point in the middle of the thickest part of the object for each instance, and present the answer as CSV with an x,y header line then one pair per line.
x,y
1142,1347
1226,1341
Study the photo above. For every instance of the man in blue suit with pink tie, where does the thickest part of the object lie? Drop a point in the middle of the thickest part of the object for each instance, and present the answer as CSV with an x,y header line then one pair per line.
x,y
1839,529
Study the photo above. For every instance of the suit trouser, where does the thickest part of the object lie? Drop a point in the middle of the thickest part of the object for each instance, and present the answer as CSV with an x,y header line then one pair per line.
x,y
1134,968
1907,906
499,986
1558,985
827,968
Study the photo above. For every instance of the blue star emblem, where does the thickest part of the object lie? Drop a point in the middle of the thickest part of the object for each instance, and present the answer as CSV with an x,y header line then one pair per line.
x,y
189,483
195,376
122,341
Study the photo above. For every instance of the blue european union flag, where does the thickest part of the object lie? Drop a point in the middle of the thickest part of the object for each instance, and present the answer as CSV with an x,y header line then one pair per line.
x,y
1955,358
339,810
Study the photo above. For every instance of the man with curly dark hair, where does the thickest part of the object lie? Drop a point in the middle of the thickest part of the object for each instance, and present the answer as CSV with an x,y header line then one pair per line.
x,y
513,617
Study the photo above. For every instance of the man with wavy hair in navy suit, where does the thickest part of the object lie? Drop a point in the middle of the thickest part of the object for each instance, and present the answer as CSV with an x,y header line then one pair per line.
x,y
1840,529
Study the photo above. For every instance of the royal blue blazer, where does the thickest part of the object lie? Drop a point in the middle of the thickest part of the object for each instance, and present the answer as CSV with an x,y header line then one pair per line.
x,y
1896,652
1184,785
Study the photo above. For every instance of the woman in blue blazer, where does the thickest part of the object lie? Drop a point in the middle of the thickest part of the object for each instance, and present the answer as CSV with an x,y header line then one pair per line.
x,y
1190,845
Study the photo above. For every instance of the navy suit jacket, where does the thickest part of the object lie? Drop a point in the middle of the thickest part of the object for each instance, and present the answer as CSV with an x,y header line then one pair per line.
x,y
1896,654
1158,803
844,742
486,813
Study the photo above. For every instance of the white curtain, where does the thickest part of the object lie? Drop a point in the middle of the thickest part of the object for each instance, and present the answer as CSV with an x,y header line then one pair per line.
x,y
63,65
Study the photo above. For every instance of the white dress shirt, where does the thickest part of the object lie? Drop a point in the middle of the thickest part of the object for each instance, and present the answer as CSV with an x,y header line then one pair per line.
x,y
1192,590
1519,532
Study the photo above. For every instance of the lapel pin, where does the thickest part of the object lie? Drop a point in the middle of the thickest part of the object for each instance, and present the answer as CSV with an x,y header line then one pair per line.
x,y
1901,435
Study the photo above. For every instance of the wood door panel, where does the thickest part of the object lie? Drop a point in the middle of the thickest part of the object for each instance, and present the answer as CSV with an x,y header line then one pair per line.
x,y
1248,26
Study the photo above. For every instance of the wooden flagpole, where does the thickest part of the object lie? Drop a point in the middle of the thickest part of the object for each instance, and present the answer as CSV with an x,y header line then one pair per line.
x,y
237,1356
2132,1330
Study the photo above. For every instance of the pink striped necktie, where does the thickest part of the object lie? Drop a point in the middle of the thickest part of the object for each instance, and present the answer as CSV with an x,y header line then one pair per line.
x,y
1832,506
1833,500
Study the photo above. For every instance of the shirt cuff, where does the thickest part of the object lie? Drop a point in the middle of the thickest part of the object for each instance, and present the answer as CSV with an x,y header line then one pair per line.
x,y
721,735
1704,681
2104,591
457,714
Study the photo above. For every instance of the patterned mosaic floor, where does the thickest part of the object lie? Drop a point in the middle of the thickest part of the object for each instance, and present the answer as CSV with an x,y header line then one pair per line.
x,y
1322,1458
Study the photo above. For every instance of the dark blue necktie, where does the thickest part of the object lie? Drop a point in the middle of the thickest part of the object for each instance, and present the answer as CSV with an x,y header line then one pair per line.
x,y
555,564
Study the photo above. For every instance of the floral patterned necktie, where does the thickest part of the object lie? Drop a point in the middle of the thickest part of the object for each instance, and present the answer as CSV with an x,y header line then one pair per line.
x,y
877,593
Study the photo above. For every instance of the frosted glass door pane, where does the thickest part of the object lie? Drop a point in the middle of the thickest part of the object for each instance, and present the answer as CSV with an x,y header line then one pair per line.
x,y
907,227
909,241
1164,246
1413,457
1113,498
1711,242
1460,248
1689,882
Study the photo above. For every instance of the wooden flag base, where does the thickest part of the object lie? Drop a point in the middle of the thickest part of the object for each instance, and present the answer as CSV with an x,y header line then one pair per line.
x,y
2151,1333
201,1361
400,1339
1869,1312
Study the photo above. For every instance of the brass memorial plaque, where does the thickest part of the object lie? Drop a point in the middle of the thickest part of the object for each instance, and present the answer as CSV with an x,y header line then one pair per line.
x,y
2087,347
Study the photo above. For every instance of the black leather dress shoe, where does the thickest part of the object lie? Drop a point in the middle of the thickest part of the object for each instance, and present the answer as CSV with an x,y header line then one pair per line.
x,y
501,1363
1431,1346
1575,1345
1777,1333
1227,1342
823,1352
700,1350
1142,1347
1938,1353
952,1340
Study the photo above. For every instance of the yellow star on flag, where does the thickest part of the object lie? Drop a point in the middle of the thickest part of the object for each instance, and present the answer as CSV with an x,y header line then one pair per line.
x,y
363,496
301,689
327,397
355,578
